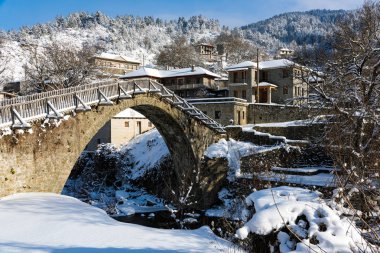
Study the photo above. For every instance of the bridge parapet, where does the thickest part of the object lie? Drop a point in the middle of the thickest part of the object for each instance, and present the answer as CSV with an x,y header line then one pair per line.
x,y
18,112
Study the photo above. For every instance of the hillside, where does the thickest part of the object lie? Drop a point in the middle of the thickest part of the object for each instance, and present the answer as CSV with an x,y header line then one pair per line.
x,y
142,37
293,29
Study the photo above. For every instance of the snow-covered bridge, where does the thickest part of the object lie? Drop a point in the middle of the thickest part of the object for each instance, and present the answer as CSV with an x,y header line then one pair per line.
x,y
36,157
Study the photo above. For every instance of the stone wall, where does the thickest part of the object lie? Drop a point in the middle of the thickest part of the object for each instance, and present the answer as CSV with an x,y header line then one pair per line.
x,y
308,132
268,113
226,111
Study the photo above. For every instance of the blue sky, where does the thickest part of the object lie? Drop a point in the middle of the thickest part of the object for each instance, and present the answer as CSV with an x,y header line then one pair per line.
x,y
16,13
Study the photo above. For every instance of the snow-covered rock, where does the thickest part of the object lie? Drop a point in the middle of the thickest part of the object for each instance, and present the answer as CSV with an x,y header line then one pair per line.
x,y
314,226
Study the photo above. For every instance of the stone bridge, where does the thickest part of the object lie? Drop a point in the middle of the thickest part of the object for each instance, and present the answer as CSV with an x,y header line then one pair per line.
x,y
44,134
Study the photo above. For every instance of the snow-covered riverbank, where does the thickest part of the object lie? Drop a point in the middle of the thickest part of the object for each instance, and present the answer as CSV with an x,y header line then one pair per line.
x,y
45,222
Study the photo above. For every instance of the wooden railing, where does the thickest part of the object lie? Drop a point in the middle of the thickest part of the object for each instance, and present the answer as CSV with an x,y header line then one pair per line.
x,y
18,112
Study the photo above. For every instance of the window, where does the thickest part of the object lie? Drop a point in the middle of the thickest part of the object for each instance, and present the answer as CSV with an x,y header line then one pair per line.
x,y
235,77
264,75
285,73
218,114
126,124
198,80
139,127
243,115
244,94
180,81
236,94
285,89
243,76
150,124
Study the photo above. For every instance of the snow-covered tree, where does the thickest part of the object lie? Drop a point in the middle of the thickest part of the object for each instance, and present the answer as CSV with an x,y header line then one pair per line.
x,y
59,66
236,48
179,54
350,88
3,63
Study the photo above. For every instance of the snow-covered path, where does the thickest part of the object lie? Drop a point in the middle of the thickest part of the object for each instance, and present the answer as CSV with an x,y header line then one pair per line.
x,y
46,222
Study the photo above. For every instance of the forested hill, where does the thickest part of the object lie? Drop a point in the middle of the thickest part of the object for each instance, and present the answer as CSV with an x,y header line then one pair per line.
x,y
293,28
143,37
130,33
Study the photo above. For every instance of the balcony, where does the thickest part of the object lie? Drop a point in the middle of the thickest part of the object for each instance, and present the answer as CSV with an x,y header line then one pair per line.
x,y
191,86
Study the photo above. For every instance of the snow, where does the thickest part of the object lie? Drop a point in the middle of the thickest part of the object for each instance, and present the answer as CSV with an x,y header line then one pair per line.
x,y
322,179
282,63
319,228
151,72
265,198
287,123
151,146
117,57
266,84
233,151
46,222
313,169
241,65
131,202
129,113
322,119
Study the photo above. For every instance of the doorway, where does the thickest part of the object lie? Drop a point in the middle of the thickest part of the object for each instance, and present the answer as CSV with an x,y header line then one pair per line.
x,y
138,127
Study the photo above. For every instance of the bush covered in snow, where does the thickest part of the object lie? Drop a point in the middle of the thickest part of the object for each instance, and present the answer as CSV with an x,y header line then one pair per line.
x,y
301,221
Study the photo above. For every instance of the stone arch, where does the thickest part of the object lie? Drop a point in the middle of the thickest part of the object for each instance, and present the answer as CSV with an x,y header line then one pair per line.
x,y
42,160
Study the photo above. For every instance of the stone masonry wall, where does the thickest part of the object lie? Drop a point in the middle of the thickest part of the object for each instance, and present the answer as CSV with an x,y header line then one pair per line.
x,y
42,161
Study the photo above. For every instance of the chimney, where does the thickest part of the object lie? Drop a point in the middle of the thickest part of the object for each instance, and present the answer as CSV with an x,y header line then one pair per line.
x,y
192,68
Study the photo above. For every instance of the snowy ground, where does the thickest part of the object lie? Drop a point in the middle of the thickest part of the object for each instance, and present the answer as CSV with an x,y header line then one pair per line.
x,y
44,222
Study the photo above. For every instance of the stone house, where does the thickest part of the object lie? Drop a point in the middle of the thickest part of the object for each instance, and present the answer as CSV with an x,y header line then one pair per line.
x,y
186,82
114,65
120,129
279,81
284,52
207,52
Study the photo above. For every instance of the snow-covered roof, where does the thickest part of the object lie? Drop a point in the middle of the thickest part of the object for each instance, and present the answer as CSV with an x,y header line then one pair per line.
x,y
272,64
116,57
266,84
129,113
144,71
244,64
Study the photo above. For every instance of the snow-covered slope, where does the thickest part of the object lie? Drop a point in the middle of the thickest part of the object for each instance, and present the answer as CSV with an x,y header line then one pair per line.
x,y
45,222
293,29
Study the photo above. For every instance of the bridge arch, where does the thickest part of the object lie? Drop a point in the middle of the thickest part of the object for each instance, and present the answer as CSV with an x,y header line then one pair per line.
x,y
43,159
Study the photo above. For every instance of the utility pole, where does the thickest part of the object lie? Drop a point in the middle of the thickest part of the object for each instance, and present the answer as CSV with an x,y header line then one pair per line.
x,y
257,76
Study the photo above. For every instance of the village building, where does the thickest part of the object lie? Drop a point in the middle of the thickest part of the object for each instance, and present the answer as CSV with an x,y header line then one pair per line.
x,y
186,82
207,52
121,129
276,81
114,65
284,53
